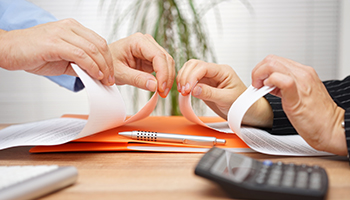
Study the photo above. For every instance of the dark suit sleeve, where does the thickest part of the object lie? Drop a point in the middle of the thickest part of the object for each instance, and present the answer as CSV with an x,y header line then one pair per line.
x,y
339,90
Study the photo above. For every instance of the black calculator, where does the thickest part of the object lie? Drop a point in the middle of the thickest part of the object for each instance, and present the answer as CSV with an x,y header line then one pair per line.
x,y
245,178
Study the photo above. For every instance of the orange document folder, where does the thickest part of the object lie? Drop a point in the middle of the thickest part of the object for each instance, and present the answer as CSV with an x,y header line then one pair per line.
x,y
109,140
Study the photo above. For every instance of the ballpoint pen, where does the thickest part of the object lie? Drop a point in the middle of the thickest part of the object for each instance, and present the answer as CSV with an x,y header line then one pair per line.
x,y
169,137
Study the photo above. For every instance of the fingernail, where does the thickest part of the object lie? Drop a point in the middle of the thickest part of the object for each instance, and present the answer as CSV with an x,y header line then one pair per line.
x,y
151,85
187,87
166,91
100,75
111,79
197,91
164,86
183,90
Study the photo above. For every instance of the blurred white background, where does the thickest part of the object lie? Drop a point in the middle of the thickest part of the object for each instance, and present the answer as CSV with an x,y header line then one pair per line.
x,y
312,32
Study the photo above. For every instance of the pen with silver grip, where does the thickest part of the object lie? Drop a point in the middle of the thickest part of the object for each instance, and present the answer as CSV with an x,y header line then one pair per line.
x,y
169,137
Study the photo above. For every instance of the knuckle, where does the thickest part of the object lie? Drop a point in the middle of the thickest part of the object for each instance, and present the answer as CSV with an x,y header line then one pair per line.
x,y
68,21
272,63
52,41
138,35
120,77
311,70
172,61
103,44
270,57
149,36
309,73
228,68
201,66
58,30
207,94
92,48
191,61
137,80
271,60
162,55
93,65
79,53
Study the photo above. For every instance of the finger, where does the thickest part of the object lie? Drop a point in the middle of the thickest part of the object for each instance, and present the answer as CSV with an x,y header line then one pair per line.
x,y
287,86
94,53
208,73
179,78
144,49
97,48
71,53
165,74
265,69
136,78
187,78
208,93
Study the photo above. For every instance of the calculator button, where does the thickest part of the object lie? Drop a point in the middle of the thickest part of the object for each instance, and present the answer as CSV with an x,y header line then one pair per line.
x,y
267,163
262,174
260,179
263,170
275,176
315,181
288,178
273,181
301,181
279,163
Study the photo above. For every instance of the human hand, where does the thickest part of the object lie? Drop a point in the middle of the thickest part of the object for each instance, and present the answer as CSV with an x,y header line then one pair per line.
x,y
306,102
48,49
219,86
136,57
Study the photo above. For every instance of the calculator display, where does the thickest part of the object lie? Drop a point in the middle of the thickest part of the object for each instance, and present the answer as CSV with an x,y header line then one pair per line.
x,y
237,168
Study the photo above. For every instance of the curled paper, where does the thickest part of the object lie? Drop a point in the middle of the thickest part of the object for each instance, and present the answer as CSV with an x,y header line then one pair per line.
x,y
257,139
107,110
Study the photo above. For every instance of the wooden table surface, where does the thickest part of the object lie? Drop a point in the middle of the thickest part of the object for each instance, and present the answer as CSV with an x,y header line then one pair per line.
x,y
144,175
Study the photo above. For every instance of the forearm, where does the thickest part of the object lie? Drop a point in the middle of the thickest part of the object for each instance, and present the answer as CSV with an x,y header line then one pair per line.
x,y
260,114
11,52
339,90
3,49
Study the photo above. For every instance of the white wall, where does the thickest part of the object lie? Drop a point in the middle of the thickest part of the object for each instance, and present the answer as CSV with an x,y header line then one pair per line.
x,y
278,27
344,49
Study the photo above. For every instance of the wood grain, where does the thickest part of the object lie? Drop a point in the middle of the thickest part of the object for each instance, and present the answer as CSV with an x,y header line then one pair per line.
x,y
144,175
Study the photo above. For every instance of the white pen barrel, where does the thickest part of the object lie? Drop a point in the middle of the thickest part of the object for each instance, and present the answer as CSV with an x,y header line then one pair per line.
x,y
198,140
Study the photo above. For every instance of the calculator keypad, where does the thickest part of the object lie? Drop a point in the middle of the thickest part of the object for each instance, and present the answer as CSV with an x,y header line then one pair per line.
x,y
289,176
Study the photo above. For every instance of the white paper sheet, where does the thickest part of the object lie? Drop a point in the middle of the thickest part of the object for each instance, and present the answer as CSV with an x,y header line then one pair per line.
x,y
107,110
187,111
257,139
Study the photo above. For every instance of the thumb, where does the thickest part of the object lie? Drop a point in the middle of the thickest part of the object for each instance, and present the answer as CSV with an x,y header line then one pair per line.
x,y
136,78
287,88
208,93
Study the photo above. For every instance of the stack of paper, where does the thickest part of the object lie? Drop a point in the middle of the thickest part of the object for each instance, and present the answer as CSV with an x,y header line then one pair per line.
x,y
99,130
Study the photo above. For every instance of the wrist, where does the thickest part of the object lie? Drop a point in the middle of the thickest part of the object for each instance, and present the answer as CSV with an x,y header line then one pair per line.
x,y
259,114
337,143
